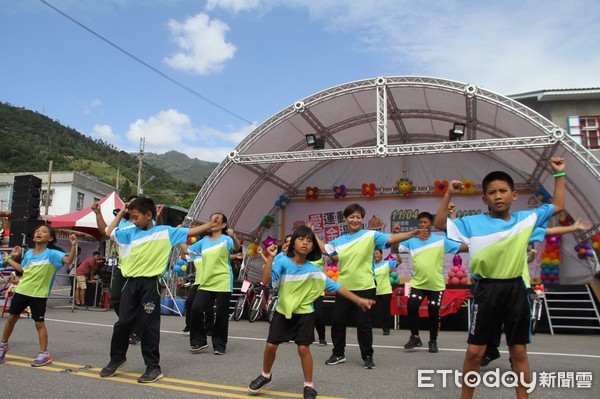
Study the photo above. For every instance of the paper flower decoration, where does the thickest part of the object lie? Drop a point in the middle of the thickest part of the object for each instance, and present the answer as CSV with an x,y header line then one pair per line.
x,y
368,189
404,187
267,222
440,187
339,191
469,186
282,202
267,242
312,192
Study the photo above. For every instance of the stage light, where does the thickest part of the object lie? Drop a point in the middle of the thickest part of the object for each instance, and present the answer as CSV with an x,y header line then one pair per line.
x,y
314,142
457,132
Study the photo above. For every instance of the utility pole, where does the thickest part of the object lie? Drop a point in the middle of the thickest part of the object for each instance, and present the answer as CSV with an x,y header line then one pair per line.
x,y
49,187
140,159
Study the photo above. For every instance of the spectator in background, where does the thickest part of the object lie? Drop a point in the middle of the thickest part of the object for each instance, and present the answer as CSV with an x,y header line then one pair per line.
x,y
85,273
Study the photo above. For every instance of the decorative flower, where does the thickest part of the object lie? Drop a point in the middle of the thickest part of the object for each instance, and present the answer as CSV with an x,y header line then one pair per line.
x,y
339,191
469,186
312,192
267,222
440,187
282,202
368,189
404,186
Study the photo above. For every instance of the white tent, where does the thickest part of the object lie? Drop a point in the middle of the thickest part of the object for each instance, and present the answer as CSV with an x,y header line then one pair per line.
x,y
379,130
84,220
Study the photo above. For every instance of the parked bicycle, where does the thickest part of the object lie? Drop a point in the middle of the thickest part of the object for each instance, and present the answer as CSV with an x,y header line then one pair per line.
x,y
536,308
252,298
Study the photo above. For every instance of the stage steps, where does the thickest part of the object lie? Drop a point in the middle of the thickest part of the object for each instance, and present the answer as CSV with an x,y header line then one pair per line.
x,y
571,309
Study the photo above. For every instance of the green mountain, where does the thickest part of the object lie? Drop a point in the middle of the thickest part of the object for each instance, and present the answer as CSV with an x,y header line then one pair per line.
x,y
180,166
31,140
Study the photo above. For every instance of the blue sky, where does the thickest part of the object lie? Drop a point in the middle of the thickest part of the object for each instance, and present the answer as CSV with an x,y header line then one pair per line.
x,y
255,57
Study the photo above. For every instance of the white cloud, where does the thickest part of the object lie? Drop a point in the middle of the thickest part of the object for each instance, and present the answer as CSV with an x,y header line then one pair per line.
x,y
173,130
508,47
93,105
233,5
202,44
104,132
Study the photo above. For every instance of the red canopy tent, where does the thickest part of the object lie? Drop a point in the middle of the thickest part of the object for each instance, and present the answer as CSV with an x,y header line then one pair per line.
x,y
84,220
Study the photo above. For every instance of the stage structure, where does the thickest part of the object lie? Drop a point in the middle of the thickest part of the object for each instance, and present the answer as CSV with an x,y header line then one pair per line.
x,y
378,131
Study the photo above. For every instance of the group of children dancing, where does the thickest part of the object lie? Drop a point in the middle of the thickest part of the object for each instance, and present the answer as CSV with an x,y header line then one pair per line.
x,y
497,243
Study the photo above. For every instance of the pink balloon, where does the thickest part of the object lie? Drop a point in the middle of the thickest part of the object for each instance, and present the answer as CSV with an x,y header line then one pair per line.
x,y
454,281
455,268
463,281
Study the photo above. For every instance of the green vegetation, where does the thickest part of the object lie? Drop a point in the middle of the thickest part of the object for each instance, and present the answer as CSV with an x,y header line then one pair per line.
x,y
31,140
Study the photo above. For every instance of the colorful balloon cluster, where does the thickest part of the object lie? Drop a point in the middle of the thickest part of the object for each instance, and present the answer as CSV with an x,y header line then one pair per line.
x,y
550,261
282,202
312,192
440,187
339,191
394,277
331,270
267,221
584,250
596,241
458,274
180,267
368,189
252,249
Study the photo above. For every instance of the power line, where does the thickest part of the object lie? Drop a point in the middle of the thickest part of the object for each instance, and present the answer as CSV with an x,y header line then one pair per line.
x,y
144,63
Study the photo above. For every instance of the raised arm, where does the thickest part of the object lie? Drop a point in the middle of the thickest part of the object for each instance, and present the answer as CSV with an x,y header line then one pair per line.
x,y
236,241
68,259
321,243
558,167
399,237
266,274
100,222
441,217
578,225
194,231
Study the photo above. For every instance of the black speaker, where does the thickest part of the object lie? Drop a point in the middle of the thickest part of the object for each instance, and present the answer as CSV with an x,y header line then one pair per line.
x,y
173,217
26,197
21,231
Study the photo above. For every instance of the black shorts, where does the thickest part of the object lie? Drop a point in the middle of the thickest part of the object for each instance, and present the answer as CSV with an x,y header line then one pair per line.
x,y
19,303
500,305
300,328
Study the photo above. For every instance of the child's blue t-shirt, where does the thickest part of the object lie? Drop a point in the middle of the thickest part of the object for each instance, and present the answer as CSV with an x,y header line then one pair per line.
x,y
145,253
39,272
216,274
355,257
498,247
299,286
428,260
382,275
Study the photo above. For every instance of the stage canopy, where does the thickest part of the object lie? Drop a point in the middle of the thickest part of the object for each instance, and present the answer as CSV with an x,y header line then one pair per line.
x,y
84,220
383,129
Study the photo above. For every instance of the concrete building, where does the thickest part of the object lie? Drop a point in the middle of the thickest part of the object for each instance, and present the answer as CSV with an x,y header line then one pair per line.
x,y
575,110
69,191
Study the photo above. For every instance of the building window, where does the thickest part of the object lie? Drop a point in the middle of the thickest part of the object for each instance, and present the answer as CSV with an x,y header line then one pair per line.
x,y
44,194
80,198
585,131
589,132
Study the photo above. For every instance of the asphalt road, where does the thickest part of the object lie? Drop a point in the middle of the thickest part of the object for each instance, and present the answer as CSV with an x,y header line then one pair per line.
x,y
79,345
